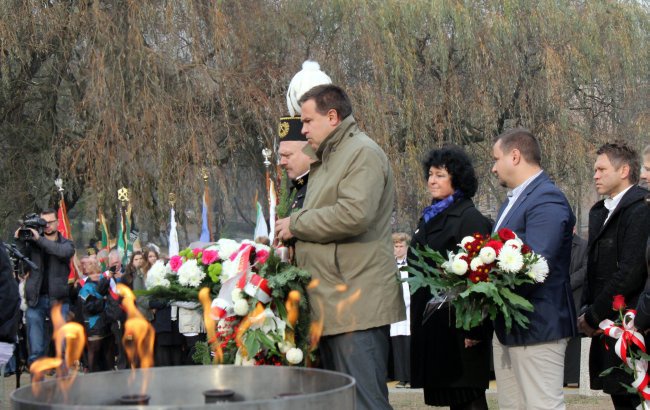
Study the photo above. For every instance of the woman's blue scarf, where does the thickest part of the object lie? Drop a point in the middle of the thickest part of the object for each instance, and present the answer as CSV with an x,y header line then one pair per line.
x,y
437,207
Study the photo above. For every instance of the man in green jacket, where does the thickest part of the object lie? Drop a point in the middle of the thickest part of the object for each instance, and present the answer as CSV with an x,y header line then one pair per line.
x,y
344,240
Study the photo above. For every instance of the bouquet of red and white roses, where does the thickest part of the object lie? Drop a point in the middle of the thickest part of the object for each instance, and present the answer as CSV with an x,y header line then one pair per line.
x,y
479,278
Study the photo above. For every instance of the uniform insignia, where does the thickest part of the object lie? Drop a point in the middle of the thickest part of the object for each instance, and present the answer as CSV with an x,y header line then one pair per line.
x,y
283,129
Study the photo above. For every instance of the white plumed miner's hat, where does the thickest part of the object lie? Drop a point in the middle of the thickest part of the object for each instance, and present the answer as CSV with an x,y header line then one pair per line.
x,y
309,77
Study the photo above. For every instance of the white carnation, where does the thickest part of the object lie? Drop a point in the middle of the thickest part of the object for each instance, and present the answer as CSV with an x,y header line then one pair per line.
x,y
487,255
538,270
228,270
190,274
227,247
157,275
476,263
294,355
458,266
236,294
241,307
510,260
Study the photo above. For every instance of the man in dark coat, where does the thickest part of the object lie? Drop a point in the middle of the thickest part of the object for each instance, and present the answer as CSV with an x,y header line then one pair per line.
x,y
293,159
577,271
48,284
529,362
9,300
618,232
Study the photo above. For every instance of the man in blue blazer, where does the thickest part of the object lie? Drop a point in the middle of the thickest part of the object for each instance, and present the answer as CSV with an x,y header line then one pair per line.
x,y
529,363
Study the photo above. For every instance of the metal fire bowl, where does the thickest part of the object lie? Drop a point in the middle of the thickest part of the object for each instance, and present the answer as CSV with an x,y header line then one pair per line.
x,y
261,387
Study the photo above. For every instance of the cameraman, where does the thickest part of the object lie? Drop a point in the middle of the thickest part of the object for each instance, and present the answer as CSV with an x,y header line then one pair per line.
x,y
48,284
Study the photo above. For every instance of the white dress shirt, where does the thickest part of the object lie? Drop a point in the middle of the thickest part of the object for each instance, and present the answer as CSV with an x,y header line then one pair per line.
x,y
513,196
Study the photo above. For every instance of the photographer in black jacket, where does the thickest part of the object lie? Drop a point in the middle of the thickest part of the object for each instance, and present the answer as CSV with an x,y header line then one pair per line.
x,y
48,284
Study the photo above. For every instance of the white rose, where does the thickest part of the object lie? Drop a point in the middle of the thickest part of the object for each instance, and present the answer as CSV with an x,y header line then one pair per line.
x,y
458,266
538,270
510,260
487,255
294,355
476,263
241,307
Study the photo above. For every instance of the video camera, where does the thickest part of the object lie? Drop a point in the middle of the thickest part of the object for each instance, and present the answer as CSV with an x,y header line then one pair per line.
x,y
33,221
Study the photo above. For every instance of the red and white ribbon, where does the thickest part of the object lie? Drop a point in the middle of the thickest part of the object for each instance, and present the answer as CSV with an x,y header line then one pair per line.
x,y
220,308
258,287
627,335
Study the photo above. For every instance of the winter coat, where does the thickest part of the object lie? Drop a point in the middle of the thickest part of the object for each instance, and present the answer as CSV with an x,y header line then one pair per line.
x,y
615,266
439,358
9,300
344,234
55,255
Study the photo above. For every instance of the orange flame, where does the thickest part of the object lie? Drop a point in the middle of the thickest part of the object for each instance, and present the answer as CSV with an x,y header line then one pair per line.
x,y
313,284
210,324
343,305
69,342
316,328
341,287
293,300
204,298
139,335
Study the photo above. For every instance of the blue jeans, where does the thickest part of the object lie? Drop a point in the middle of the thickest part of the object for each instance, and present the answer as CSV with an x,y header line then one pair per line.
x,y
38,337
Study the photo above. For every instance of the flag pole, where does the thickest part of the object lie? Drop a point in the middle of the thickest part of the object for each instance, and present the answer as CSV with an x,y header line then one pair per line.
x,y
206,198
123,196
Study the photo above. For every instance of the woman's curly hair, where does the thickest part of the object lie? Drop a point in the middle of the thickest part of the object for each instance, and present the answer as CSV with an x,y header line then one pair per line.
x,y
457,163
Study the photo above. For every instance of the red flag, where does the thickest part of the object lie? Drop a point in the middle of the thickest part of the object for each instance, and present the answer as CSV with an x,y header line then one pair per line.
x,y
66,232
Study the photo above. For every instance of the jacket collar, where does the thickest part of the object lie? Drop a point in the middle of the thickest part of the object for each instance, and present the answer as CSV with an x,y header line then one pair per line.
x,y
336,136
634,194
541,178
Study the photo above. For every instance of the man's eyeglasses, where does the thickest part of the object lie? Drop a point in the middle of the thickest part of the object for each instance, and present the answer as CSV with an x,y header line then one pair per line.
x,y
52,222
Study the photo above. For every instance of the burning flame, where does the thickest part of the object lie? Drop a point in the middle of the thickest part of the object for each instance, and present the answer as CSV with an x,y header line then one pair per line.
x,y
341,287
343,305
210,325
139,335
313,283
293,300
316,328
69,341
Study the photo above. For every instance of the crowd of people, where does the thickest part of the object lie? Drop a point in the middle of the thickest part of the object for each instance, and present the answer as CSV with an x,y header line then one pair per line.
x,y
91,300
339,229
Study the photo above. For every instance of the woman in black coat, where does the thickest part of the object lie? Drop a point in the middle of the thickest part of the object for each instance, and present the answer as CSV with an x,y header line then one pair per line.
x,y
451,365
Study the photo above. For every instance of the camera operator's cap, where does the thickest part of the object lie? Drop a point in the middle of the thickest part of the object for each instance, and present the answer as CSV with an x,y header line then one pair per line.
x,y
309,77
289,129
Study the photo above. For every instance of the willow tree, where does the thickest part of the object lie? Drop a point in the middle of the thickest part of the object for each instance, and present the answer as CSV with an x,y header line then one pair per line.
x,y
143,94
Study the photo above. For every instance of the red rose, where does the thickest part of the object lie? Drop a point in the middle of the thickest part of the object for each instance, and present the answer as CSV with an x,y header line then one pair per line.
x,y
618,303
526,249
506,234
